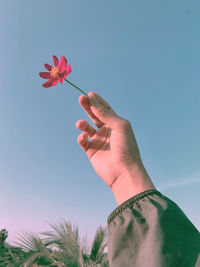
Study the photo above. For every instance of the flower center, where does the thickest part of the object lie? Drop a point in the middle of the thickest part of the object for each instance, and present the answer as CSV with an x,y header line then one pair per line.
x,y
54,72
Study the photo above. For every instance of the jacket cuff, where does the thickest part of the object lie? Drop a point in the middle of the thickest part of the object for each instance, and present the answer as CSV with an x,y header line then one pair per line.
x,y
130,203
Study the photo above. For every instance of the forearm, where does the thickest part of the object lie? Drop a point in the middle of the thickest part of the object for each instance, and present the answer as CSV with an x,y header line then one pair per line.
x,y
132,182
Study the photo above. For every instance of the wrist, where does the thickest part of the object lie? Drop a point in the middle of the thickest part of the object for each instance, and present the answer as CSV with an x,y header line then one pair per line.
x,y
131,183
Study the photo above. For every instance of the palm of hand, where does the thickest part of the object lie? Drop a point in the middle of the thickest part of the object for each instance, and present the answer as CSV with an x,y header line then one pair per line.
x,y
114,157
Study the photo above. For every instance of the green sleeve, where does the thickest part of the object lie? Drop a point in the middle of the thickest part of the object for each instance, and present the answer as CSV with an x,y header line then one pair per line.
x,y
151,230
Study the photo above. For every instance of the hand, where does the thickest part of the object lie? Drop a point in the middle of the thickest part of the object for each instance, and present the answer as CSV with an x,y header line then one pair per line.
x,y
113,149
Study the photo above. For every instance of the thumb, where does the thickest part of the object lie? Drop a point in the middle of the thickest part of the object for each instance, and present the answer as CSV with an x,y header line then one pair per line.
x,y
104,112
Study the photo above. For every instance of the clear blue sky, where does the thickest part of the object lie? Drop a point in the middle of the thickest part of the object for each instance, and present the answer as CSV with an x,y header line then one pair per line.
x,y
143,57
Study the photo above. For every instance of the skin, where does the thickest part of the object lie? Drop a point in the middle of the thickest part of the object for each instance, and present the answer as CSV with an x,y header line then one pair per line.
x,y
112,149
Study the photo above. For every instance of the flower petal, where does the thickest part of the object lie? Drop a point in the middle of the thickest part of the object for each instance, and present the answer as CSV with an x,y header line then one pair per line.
x,y
48,67
45,75
48,83
55,61
55,82
63,63
68,69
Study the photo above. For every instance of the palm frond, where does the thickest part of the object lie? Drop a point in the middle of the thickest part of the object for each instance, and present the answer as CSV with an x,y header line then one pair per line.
x,y
66,239
34,246
36,257
98,245
69,250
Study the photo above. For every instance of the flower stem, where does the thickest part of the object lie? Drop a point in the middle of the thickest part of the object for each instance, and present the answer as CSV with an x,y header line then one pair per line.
x,y
75,87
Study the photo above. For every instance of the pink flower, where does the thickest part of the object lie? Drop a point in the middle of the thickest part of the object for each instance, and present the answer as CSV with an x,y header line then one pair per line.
x,y
56,74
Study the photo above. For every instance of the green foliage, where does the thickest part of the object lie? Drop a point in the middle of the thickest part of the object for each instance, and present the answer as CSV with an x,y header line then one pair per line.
x,y
11,256
59,247
3,235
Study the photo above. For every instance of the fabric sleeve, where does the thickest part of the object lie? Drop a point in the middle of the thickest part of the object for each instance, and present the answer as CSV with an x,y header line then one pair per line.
x,y
151,230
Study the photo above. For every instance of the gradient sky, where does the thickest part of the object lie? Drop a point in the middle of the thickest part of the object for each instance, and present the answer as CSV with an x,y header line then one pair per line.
x,y
143,57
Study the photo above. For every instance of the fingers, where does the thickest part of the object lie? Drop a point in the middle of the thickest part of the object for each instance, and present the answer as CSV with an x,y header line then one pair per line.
x,y
101,113
83,141
86,127
101,100
85,104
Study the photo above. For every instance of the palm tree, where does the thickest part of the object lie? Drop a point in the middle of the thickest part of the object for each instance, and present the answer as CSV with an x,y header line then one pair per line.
x,y
63,247
74,252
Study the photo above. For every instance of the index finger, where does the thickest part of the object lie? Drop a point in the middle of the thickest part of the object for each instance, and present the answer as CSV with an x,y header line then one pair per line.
x,y
85,103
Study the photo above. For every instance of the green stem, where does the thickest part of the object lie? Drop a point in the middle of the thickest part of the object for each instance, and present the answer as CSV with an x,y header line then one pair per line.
x,y
75,87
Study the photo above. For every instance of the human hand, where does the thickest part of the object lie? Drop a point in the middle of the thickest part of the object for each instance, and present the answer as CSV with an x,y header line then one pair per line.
x,y
113,149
